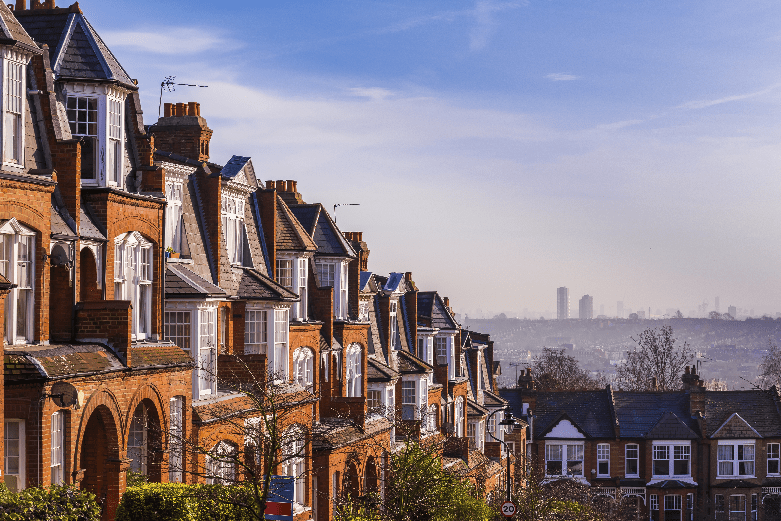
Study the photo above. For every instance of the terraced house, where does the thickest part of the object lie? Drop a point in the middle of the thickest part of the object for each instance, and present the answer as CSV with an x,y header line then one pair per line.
x,y
691,454
145,286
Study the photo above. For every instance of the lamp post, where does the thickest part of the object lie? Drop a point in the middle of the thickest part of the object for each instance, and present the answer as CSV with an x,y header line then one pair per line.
x,y
509,423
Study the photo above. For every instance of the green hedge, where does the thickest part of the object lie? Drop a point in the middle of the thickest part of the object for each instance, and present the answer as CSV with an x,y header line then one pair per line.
x,y
48,504
180,502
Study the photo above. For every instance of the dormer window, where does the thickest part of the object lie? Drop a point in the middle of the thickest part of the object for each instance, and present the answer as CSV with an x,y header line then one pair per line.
x,y
13,100
293,273
174,226
115,155
133,279
83,120
233,228
334,273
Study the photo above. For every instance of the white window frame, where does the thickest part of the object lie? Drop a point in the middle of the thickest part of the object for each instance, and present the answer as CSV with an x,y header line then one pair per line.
x,y
301,309
627,458
333,272
207,352
294,464
176,440
354,370
303,362
440,348
255,331
450,353
374,400
459,416
285,272
363,311
233,228
564,450
178,328
736,501
409,400
14,109
221,468
138,440
675,449
743,454
174,225
774,455
471,434
393,340
115,150
673,503
19,268
133,276
57,463
603,459
20,475
280,361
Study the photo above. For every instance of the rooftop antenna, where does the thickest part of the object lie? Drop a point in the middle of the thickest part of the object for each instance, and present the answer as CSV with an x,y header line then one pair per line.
x,y
343,204
169,85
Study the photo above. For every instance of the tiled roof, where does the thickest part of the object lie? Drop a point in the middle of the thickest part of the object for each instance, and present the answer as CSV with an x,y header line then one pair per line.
x,y
492,400
332,433
223,406
379,372
59,226
670,427
180,281
430,305
409,363
365,277
639,412
77,52
290,234
757,408
323,231
234,166
255,285
307,216
158,356
590,410
394,279
11,29
59,361
474,409
88,227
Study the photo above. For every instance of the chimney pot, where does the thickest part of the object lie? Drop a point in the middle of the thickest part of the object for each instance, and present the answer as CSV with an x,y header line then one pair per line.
x,y
687,371
168,110
446,300
181,109
280,185
269,185
194,109
21,5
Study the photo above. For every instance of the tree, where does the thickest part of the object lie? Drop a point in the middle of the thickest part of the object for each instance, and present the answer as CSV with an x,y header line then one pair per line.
x,y
418,489
678,314
554,370
770,368
715,315
655,358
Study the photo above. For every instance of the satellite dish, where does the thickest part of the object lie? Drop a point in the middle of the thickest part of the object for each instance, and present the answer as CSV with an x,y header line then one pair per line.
x,y
65,395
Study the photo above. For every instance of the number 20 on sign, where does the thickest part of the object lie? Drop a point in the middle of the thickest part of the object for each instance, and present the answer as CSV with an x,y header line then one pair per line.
x,y
508,509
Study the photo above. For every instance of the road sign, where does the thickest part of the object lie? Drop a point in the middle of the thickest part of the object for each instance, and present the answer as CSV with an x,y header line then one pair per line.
x,y
279,504
508,509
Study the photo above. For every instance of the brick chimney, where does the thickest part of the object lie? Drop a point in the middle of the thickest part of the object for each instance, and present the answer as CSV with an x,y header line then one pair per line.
x,y
287,190
183,131
526,380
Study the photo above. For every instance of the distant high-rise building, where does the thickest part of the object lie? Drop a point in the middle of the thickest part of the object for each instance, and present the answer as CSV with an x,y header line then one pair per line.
x,y
620,309
601,309
717,305
562,303
732,310
586,307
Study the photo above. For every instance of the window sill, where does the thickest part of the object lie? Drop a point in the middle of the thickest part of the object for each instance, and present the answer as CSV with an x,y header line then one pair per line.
x,y
740,477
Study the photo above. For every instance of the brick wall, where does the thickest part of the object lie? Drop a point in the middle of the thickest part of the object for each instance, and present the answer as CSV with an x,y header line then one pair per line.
x,y
106,320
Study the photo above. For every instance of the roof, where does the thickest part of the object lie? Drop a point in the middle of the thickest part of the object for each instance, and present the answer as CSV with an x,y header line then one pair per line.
x,y
323,231
332,433
59,226
88,227
147,356
365,278
379,372
670,427
430,305
235,166
757,408
474,409
12,30
492,400
76,51
180,281
56,361
290,234
409,363
394,279
639,412
256,286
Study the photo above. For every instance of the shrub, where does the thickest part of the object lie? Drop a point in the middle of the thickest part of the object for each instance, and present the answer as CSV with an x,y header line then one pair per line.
x,y
180,502
48,504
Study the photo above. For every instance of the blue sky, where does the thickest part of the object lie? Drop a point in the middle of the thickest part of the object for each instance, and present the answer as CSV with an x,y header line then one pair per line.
x,y
500,149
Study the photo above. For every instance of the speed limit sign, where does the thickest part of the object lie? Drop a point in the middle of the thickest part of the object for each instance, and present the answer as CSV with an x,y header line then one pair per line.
x,y
508,509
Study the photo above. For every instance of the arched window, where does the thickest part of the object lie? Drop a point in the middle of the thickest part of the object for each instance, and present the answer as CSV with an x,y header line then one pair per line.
x,y
133,279
17,264
354,370
303,359
293,461
221,464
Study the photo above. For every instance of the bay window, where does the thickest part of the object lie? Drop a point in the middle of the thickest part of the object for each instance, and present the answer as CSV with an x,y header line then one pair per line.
x,y
671,459
133,279
354,370
440,346
207,352
303,359
285,273
279,362
177,328
632,467
774,458
408,400
221,464
673,507
333,273
374,401
653,502
459,417
17,264
563,459
303,277
174,225
736,458
83,119
737,507
115,160
233,229
603,460
256,332
13,146
292,273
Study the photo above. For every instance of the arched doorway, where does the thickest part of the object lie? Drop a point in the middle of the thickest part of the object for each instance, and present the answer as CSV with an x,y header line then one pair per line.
x,y
88,281
60,295
100,460
144,441
371,476
351,485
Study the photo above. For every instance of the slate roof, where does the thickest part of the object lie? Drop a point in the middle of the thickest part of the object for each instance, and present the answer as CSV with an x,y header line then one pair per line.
x,y
234,166
670,427
365,278
394,279
181,282
88,227
379,372
290,234
474,409
323,231
76,51
639,412
59,226
409,363
12,31
430,305
758,408
590,410
333,433
254,285
492,400
162,355
672,483
57,361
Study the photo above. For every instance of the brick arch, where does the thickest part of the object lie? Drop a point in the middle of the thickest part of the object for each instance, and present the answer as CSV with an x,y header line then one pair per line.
x,y
126,224
352,474
101,397
151,394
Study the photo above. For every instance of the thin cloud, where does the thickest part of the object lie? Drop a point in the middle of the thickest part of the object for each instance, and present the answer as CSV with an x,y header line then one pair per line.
x,y
179,40
486,24
560,76
703,104
373,93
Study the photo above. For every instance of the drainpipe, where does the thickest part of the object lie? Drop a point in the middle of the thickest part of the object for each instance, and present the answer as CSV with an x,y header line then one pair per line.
x,y
162,275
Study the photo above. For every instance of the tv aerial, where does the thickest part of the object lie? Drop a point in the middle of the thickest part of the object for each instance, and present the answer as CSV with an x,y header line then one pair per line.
x,y
343,204
170,85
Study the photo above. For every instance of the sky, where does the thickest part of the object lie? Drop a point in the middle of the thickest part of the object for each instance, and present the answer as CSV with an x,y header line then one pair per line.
x,y
500,149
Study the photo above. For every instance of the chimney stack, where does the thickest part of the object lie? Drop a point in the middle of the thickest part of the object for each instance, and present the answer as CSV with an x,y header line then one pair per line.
x,y
287,190
183,131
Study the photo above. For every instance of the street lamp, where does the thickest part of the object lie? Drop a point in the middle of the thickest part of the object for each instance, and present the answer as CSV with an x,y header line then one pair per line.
x,y
509,423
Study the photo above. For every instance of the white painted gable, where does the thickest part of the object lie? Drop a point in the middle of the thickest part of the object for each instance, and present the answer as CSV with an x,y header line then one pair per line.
x,y
564,429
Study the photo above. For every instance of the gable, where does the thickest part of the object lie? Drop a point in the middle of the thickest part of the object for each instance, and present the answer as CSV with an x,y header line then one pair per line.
x,y
735,427
670,427
565,429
